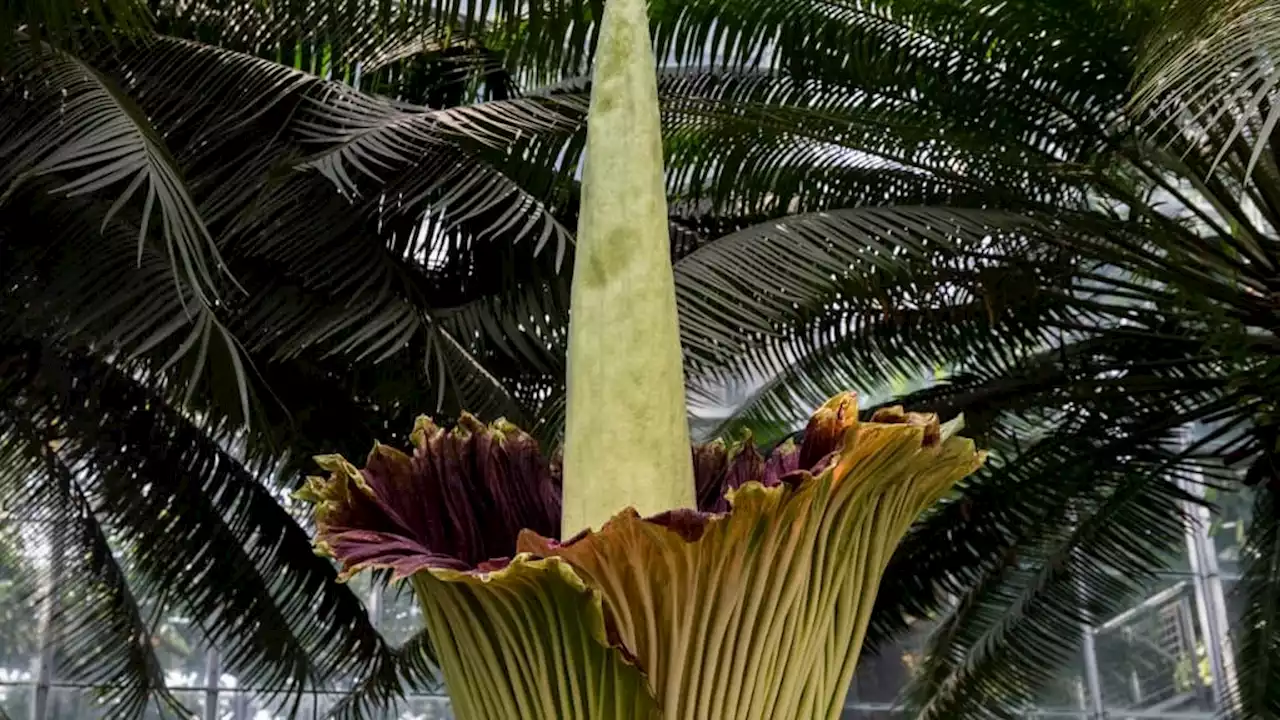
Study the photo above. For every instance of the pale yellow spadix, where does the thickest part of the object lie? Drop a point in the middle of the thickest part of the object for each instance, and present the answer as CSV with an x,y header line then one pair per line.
x,y
626,433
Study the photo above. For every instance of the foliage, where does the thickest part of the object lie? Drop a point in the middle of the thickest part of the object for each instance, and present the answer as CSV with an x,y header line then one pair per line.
x,y
1067,205
174,343
1115,286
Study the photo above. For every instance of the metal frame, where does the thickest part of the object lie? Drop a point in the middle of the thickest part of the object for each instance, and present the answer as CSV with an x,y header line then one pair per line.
x,y
1211,601
1210,608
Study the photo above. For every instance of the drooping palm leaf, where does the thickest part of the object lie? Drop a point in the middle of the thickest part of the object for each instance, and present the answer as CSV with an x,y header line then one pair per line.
x,y
60,22
843,272
412,668
1209,67
79,589
1257,643
169,488
71,122
76,123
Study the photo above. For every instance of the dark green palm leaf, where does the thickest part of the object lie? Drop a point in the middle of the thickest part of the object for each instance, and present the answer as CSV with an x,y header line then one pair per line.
x,y
1258,646
75,123
412,668
171,488
81,591
376,139
1209,64
746,289
61,22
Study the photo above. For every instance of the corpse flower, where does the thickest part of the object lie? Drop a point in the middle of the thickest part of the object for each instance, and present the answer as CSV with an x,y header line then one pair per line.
x,y
658,582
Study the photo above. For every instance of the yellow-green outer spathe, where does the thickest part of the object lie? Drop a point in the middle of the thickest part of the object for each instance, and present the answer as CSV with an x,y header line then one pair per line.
x,y
626,434
528,643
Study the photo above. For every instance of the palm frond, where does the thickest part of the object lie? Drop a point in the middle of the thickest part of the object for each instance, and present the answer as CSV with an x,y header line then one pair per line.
x,y
412,668
380,140
93,289
285,250
172,489
60,23
79,587
70,120
1013,631
475,388
750,140
743,292
202,97
876,352
75,134
529,326
344,40
1210,66
1258,644
937,49
1032,562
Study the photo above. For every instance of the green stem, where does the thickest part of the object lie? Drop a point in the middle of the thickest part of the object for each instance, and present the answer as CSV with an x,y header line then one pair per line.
x,y
626,434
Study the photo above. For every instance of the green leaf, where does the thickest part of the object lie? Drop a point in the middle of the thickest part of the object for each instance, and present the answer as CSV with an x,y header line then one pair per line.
x,y
1208,65
1258,649
106,141
169,488
82,594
